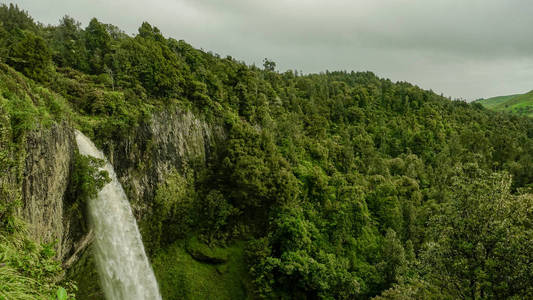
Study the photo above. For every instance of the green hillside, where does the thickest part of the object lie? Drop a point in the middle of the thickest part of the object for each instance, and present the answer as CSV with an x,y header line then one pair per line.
x,y
521,104
264,184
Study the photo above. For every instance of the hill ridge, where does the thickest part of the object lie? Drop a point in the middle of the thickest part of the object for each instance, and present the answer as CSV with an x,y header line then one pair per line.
x,y
519,104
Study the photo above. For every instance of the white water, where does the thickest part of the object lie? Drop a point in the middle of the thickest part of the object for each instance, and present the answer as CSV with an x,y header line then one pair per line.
x,y
125,273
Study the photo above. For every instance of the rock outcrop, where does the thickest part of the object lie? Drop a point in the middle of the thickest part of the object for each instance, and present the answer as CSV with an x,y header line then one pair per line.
x,y
171,140
46,175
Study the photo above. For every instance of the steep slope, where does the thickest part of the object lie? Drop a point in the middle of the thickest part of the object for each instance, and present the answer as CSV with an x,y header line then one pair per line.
x,y
37,230
519,104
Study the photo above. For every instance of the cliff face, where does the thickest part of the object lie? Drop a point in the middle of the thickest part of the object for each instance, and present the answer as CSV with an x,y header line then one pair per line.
x,y
49,154
171,140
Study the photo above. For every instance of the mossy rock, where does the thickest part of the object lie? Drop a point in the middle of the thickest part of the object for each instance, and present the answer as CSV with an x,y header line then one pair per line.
x,y
222,268
203,253
181,277
85,275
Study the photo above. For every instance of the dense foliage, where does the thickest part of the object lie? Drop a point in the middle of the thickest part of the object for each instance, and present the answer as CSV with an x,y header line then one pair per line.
x,y
86,180
342,185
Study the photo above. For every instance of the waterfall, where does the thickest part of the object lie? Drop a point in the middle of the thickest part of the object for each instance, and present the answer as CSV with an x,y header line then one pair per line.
x,y
124,270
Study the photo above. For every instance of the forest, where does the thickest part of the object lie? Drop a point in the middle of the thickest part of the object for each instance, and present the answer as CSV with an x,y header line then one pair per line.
x,y
336,185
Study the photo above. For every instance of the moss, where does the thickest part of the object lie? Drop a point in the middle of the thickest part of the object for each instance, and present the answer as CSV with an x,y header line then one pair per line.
x,y
84,274
203,253
172,211
180,276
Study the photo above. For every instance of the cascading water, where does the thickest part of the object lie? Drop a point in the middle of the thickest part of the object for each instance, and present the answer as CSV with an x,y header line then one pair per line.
x,y
125,272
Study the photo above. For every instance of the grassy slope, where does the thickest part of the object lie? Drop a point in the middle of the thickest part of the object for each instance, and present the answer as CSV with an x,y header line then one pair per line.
x,y
180,276
521,104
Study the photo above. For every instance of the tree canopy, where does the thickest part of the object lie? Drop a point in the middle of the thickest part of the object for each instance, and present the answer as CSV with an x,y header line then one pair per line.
x,y
343,185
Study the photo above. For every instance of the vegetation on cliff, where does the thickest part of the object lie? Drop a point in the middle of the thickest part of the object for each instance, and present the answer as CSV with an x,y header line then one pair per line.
x,y
336,185
28,269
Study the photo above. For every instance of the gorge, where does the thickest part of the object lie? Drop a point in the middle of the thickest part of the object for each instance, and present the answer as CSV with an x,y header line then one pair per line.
x,y
243,182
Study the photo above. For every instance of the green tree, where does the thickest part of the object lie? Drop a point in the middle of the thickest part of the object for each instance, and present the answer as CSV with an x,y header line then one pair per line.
x,y
98,44
13,18
394,257
68,45
269,65
30,55
482,239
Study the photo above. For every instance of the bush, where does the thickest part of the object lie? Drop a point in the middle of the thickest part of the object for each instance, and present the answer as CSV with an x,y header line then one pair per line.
x,y
30,55
86,180
28,270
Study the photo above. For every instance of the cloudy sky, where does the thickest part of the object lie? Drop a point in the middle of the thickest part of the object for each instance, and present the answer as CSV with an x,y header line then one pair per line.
x,y
461,48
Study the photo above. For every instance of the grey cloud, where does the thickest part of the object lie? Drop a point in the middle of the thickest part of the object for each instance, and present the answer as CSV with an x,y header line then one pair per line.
x,y
462,48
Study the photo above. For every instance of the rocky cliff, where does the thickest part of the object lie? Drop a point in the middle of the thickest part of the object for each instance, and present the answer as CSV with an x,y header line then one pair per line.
x,y
170,140
49,154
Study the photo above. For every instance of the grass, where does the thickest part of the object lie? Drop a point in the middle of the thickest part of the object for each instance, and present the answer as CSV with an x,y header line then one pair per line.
x,y
520,104
27,270
15,286
180,276
493,102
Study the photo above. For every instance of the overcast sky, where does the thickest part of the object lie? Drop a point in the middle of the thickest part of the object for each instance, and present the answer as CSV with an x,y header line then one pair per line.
x,y
461,48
